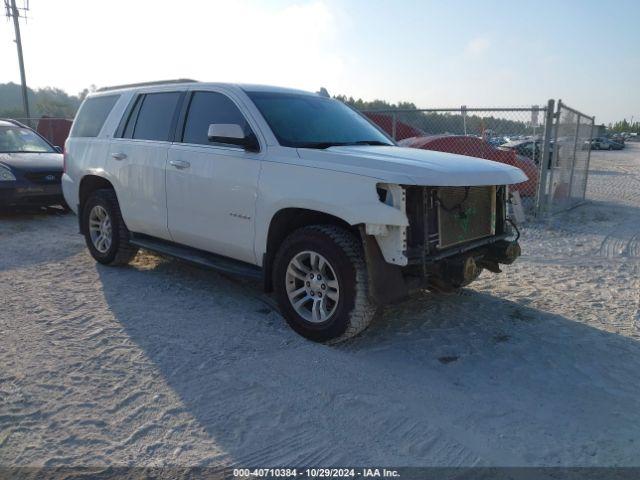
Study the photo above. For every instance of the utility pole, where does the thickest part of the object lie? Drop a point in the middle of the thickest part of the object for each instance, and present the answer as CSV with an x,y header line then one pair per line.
x,y
12,11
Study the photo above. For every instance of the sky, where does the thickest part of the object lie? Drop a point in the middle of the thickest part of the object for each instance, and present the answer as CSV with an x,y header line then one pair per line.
x,y
488,53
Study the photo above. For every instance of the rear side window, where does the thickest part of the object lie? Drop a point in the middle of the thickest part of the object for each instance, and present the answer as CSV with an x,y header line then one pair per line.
x,y
207,108
92,115
156,116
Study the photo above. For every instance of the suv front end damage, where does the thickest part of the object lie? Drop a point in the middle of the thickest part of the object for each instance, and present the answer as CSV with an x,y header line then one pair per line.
x,y
453,234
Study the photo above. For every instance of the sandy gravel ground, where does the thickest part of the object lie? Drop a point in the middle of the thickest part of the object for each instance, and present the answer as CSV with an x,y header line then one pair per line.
x,y
161,363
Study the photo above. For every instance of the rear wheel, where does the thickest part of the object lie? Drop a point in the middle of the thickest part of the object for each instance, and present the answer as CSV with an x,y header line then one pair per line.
x,y
106,235
320,281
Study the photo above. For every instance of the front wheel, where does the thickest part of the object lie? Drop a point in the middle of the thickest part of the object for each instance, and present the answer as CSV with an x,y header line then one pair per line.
x,y
321,283
106,235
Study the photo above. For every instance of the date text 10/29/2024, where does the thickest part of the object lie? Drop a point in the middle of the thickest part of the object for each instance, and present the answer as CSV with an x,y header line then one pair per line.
x,y
286,473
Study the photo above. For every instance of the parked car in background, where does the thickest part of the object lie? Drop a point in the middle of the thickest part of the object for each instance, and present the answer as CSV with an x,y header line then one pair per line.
x,y
618,138
30,168
496,141
292,187
531,149
476,147
603,143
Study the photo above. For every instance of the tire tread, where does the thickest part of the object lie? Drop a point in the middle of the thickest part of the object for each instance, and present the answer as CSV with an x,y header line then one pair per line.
x,y
125,252
363,310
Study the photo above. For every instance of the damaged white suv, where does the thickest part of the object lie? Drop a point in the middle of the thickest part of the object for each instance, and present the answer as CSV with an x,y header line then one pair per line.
x,y
292,187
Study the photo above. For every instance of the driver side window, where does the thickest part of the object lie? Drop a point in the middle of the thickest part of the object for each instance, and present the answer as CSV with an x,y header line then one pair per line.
x,y
206,108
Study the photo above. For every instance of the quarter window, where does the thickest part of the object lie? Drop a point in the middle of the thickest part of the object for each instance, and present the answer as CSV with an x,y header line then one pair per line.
x,y
156,116
92,115
207,108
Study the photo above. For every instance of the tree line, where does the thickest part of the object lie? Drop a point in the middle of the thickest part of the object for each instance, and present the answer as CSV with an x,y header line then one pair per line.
x,y
55,102
49,101
624,126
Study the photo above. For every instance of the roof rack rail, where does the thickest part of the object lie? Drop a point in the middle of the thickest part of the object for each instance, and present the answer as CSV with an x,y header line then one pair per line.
x,y
146,84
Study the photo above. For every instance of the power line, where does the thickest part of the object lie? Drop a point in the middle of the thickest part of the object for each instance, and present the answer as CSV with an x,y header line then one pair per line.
x,y
12,11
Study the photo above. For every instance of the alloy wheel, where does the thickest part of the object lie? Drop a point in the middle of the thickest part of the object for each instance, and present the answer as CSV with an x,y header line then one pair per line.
x,y
312,286
100,228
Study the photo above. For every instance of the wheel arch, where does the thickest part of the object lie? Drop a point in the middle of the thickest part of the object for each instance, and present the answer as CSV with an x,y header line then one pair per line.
x,y
287,220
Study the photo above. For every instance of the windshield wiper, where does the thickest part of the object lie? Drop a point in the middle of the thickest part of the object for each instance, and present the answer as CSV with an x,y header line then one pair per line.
x,y
322,145
372,142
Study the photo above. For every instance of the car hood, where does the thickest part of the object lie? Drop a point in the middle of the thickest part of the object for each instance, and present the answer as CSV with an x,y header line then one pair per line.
x,y
412,166
32,162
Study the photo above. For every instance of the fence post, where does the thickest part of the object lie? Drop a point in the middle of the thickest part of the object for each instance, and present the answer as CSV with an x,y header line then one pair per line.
x,y
394,120
586,173
542,183
463,112
575,152
555,155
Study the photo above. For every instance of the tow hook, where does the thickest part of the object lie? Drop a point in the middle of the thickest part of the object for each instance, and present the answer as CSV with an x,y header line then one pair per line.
x,y
504,252
461,272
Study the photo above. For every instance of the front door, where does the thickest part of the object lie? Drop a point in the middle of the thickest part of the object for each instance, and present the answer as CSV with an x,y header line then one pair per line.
x,y
212,188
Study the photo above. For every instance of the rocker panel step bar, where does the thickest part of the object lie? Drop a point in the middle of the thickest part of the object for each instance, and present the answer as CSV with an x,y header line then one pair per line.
x,y
198,257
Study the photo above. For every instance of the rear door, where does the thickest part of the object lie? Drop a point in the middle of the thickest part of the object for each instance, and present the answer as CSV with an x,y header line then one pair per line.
x,y
138,158
212,187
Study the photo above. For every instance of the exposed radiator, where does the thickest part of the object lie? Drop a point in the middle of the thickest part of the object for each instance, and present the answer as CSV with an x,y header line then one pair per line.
x,y
465,214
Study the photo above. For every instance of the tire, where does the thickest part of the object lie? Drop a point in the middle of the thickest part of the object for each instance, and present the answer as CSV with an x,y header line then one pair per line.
x,y
118,251
610,147
345,309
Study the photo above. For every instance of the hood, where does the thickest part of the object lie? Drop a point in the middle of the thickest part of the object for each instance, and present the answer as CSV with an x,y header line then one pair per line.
x,y
412,166
32,162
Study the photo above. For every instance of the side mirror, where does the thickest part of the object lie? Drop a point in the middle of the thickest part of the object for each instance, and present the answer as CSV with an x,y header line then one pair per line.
x,y
58,149
233,134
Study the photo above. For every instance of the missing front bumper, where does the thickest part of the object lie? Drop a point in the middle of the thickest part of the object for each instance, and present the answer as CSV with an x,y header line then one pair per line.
x,y
391,283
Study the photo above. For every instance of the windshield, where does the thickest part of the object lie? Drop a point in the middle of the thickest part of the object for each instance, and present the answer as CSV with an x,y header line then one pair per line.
x,y
22,140
307,121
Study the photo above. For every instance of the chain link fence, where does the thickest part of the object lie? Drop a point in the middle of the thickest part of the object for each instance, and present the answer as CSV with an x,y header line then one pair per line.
x,y
521,137
569,152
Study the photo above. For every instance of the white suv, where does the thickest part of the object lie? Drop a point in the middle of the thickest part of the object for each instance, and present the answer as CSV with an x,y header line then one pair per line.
x,y
289,186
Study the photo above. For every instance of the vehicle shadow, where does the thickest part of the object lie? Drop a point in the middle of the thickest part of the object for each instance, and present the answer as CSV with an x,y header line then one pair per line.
x,y
468,379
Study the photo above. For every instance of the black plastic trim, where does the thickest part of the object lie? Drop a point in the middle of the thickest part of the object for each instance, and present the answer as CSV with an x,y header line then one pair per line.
x,y
125,117
197,257
450,252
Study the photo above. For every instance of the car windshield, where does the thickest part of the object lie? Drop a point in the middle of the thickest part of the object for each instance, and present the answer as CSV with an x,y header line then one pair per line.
x,y
308,121
22,140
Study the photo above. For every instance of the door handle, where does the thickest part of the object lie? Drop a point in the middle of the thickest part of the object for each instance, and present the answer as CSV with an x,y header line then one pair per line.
x,y
119,156
179,164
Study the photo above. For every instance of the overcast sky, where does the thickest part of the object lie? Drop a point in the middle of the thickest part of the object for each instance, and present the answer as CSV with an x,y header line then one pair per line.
x,y
433,53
